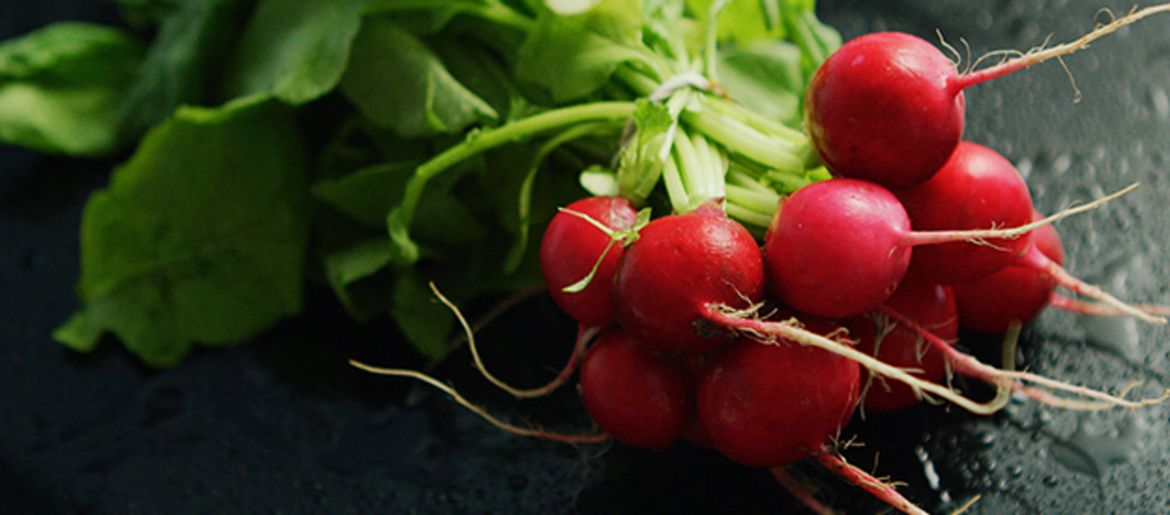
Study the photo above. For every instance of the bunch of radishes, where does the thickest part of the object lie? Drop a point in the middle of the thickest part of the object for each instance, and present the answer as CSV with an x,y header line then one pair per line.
x,y
704,335
853,293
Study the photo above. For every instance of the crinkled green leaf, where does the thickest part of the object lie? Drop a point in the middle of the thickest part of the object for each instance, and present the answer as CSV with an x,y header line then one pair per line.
x,y
62,88
766,77
483,73
429,17
360,277
572,56
396,81
294,49
191,44
368,194
199,238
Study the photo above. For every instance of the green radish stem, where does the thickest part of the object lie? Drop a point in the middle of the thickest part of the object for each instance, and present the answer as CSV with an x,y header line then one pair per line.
x,y
400,218
626,238
740,138
524,201
673,181
736,128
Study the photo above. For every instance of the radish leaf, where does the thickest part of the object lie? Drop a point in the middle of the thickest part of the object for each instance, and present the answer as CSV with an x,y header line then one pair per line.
x,y
199,238
193,39
296,49
62,87
407,89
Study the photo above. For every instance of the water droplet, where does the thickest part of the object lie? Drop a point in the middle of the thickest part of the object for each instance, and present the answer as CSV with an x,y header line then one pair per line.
x,y
1062,163
986,438
932,479
1015,471
1091,453
1044,418
1118,335
1025,168
1160,101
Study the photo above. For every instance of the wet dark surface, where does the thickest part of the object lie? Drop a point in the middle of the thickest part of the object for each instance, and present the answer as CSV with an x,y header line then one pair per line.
x,y
283,425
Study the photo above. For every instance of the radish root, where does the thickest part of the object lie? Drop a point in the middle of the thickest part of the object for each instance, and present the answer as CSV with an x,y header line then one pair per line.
x,y
1082,307
970,366
584,336
1043,54
597,437
799,490
1062,277
771,332
836,464
980,236
967,505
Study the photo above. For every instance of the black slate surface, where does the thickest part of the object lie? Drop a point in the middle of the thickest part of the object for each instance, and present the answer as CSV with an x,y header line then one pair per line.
x,y
283,425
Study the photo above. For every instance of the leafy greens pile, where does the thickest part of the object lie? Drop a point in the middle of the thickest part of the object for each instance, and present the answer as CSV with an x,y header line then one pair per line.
x,y
378,145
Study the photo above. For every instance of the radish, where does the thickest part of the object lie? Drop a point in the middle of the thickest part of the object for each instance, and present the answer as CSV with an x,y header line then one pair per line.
x,y
929,304
573,249
638,398
772,404
885,107
1015,294
839,248
889,107
680,265
775,404
977,188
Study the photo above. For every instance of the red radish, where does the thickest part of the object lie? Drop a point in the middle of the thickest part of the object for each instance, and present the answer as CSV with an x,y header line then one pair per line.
x,y
838,248
888,107
929,304
572,247
680,265
638,398
1015,294
885,107
976,189
775,404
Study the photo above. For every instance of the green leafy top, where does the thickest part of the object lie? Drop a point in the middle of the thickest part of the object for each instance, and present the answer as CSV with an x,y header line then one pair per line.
x,y
416,141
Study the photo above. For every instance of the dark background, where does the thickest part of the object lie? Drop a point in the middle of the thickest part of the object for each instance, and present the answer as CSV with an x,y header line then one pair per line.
x,y
283,425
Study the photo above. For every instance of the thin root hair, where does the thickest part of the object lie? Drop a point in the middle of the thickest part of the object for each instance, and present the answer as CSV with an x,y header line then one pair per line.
x,y
531,431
